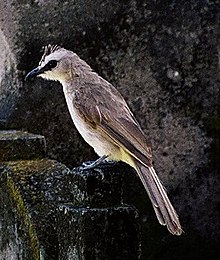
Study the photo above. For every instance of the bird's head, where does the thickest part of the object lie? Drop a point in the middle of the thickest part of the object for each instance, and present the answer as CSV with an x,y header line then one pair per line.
x,y
57,64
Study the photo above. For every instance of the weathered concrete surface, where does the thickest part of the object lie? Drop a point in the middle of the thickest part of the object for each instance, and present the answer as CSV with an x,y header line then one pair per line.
x,y
48,211
164,58
44,195
18,145
87,233
18,237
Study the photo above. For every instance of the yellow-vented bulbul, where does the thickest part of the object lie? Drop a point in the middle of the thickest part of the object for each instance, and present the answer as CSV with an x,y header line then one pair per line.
x,y
105,121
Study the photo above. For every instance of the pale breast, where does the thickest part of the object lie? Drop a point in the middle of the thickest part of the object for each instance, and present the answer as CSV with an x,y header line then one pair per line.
x,y
101,145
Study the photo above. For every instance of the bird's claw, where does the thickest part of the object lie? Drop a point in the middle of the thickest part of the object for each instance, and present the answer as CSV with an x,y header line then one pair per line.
x,y
92,164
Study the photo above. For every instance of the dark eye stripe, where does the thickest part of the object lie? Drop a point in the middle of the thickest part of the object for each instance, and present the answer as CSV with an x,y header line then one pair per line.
x,y
51,64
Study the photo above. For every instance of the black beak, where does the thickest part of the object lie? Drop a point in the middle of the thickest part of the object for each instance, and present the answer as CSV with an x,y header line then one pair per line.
x,y
33,73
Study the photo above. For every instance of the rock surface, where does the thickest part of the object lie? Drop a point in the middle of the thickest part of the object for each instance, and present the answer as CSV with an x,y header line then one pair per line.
x,y
49,212
163,56
18,145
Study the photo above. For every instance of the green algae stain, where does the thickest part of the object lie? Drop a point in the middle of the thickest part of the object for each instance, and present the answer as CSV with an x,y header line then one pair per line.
x,y
23,215
29,167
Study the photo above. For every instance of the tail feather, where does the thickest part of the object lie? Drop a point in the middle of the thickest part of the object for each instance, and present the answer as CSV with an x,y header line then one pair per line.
x,y
163,208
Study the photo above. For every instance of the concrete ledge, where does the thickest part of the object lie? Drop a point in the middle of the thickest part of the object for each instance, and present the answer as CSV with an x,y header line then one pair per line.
x,y
48,211
98,233
101,186
18,145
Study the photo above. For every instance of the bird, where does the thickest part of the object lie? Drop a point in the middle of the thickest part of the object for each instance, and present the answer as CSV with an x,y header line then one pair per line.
x,y
104,120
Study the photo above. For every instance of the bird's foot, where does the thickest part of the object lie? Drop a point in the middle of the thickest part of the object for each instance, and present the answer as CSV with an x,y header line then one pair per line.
x,y
92,164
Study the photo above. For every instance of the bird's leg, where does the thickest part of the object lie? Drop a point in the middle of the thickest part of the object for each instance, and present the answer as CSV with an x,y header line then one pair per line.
x,y
91,165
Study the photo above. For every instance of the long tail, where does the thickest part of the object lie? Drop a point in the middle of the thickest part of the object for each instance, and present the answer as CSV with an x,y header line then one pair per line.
x,y
163,208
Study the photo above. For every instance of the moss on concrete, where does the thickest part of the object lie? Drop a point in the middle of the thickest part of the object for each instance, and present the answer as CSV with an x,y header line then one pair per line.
x,y
24,217
28,167
35,188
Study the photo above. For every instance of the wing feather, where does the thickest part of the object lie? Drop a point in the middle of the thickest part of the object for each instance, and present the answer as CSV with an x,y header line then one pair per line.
x,y
103,107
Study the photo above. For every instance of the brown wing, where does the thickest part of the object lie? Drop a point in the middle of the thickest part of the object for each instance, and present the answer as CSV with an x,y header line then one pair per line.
x,y
103,107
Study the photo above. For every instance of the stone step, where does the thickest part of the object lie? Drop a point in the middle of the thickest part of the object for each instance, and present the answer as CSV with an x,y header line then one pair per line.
x,y
19,145
48,211
98,233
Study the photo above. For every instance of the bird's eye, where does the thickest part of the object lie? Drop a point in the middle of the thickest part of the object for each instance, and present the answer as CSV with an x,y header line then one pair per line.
x,y
51,64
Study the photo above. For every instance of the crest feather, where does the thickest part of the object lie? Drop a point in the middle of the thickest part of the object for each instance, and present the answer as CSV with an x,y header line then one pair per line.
x,y
48,49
